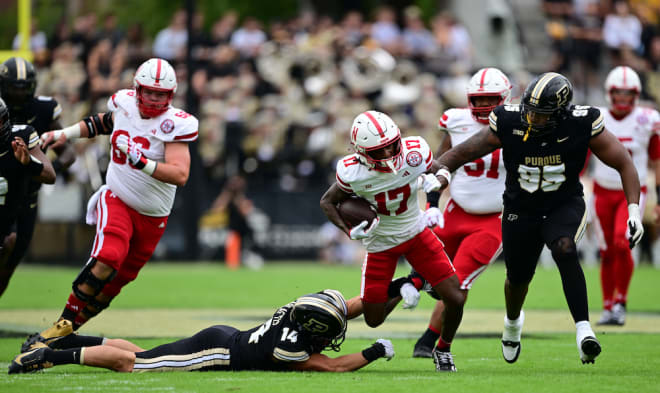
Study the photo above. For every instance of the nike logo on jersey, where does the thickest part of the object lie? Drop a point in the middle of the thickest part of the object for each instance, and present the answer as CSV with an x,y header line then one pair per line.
x,y
31,120
162,225
3,153
560,140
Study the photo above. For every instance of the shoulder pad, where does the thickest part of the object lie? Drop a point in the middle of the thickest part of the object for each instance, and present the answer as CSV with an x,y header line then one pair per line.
x,y
180,126
418,144
347,168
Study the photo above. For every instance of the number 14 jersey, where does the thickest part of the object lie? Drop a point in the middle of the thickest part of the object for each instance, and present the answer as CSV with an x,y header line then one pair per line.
x,y
394,195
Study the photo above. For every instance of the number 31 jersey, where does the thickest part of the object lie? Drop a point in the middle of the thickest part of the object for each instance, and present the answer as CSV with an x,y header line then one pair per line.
x,y
477,186
543,171
394,195
135,188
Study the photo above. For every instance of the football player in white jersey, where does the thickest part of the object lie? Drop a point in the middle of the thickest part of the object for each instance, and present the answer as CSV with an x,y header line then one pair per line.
x,y
471,225
637,128
150,158
385,171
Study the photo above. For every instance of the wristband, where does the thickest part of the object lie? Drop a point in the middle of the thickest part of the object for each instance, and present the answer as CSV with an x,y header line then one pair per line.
x,y
633,210
394,289
657,194
375,351
433,198
70,132
35,166
444,172
149,166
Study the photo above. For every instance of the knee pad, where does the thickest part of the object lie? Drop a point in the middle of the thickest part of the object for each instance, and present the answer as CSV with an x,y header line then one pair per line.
x,y
98,305
87,277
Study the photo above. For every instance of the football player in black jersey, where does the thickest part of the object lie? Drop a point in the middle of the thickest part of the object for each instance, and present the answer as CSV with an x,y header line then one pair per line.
x,y
291,340
18,81
545,142
21,161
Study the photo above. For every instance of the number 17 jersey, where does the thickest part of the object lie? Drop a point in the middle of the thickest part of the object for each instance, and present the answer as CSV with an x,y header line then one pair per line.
x,y
394,195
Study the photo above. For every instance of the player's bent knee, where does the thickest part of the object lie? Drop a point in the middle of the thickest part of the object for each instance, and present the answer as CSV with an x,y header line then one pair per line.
x,y
562,248
88,277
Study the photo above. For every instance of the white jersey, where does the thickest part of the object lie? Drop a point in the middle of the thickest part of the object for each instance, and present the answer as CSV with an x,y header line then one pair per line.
x,y
477,186
634,132
395,196
135,188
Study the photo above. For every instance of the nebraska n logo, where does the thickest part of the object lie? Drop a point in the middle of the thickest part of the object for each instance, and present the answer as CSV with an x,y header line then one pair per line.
x,y
354,136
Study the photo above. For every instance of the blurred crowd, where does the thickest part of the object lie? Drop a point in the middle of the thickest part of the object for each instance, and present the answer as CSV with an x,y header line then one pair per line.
x,y
275,101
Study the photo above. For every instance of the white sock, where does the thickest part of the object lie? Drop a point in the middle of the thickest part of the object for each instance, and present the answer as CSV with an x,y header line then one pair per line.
x,y
513,328
583,329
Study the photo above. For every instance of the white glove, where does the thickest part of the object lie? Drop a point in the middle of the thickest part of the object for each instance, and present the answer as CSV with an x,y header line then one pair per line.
x,y
134,154
429,182
359,232
635,227
433,216
410,296
389,348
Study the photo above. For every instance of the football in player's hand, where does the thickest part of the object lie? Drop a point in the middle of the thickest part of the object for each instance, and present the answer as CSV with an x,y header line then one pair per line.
x,y
355,210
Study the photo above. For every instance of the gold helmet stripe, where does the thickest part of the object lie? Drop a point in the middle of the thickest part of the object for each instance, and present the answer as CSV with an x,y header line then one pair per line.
x,y
540,86
21,72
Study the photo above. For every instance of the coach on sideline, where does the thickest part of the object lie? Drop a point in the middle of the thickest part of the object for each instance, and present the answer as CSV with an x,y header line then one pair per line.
x,y
291,340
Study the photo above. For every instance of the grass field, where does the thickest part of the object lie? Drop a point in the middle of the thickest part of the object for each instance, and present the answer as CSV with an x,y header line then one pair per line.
x,y
175,300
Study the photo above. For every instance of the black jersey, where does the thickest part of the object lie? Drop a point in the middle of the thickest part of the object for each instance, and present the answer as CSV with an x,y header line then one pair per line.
x,y
544,171
14,178
271,346
39,113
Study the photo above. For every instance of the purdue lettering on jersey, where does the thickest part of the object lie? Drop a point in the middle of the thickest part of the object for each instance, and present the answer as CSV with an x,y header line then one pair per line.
x,y
477,186
138,190
544,170
394,196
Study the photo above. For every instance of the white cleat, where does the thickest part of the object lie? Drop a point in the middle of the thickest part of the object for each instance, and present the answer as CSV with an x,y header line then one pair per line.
x,y
511,338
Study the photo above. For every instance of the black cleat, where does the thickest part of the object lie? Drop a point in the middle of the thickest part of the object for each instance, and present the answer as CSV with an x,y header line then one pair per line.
x,y
59,329
444,361
422,351
30,361
589,349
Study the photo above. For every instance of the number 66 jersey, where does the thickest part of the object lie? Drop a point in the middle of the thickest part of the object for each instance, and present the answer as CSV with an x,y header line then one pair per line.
x,y
147,195
394,195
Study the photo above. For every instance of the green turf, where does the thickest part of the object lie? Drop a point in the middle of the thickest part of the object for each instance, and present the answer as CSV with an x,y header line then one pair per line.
x,y
548,363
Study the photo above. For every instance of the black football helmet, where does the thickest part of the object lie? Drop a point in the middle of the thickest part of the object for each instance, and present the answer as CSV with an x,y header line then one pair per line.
x,y
322,317
548,94
18,81
5,125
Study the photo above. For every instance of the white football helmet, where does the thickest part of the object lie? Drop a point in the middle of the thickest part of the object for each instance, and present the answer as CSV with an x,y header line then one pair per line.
x,y
487,82
154,74
372,131
622,78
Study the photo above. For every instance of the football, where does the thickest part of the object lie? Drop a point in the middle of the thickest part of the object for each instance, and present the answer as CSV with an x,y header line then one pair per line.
x,y
355,210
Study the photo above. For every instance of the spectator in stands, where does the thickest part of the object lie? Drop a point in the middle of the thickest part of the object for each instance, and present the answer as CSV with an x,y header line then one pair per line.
x,y
170,42
622,32
223,28
418,42
385,31
110,30
104,68
586,32
249,38
138,47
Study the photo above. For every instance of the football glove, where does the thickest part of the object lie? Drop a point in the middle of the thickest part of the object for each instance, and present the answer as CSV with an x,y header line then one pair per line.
x,y
389,348
410,296
359,232
134,154
635,227
433,216
429,182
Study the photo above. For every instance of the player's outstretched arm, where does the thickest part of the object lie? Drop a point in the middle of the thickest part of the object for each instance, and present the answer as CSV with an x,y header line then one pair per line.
x,y
318,362
609,150
90,127
478,145
329,201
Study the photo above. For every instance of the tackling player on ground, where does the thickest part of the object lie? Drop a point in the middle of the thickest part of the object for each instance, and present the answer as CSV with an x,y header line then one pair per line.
x,y
471,225
544,142
291,340
150,158
385,171
637,129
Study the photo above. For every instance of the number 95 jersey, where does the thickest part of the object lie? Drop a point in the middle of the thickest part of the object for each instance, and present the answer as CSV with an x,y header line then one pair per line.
x,y
543,171
394,195
135,188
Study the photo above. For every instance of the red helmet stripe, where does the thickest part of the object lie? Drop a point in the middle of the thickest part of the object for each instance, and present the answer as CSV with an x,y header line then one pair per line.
x,y
483,78
624,77
158,71
378,127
